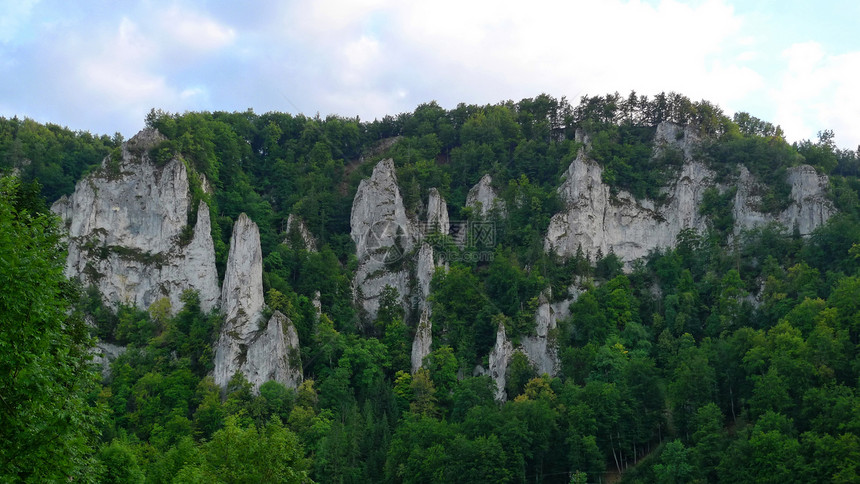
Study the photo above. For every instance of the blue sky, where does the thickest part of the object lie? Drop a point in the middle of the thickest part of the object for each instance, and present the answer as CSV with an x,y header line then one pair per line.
x,y
101,65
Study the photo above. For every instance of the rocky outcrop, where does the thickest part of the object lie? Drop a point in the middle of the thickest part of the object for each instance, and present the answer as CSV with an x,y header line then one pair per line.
x,y
682,138
437,213
273,354
127,231
423,340
242,299
104,354
483,199
384,237
809,206
600,222
424,270
298,232
500,356
260,353
542,348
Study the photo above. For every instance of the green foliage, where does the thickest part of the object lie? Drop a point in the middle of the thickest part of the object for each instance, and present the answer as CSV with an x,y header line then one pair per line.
x,y
49,422
705,362
236,454
55,156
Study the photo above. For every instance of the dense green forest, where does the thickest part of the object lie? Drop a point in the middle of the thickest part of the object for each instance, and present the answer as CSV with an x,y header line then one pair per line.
x,y
725,359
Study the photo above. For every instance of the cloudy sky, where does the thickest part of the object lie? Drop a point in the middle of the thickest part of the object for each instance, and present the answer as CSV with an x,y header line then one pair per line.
x,y
101,65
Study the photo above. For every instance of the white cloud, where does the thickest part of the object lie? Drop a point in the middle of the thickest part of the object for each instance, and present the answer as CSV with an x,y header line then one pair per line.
x,y
816,91
188,29
102,69
119,72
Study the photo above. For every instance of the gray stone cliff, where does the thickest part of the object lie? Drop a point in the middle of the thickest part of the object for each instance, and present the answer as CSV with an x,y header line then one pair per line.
x,y
423,340
809,206
598,221
294,223
384,236
500,357
260,353
437,213
482,198
125,223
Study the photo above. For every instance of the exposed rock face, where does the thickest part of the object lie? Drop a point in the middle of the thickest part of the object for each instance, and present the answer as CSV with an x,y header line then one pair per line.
x,y
261,354
597,221
630,228
424,274
482,198
682,138
383,236
273,354
242,293
294,223
500,356
437,220
104,354
809,207
423,340
437,213
541,352
125,227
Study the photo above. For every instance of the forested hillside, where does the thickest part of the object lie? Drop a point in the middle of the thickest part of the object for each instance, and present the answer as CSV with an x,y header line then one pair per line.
x,y
731,356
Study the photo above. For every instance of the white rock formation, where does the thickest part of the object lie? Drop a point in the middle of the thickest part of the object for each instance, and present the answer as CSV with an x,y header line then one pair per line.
x,y
104,354
809,204
630,228
500,357
598,221
242,293
424,270
273,354
261,354
423,340
437,220
437,213
294,223
540,349
125,224
383,237
683,138
482,198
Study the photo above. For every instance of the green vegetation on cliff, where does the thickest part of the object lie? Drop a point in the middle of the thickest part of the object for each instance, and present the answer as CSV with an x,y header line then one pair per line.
x,y
710,361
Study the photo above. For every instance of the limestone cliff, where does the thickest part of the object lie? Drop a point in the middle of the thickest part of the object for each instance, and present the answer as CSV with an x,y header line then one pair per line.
x,y
500,357
296,226
482,198
424,271
437,213
104,355
423,340
596,220
809,206
273,354
542,348
384,237
392,251
260,353
127,225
